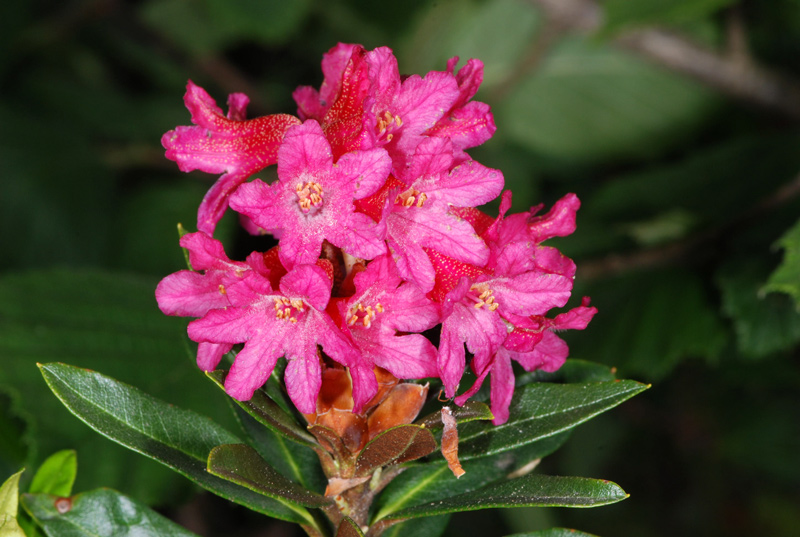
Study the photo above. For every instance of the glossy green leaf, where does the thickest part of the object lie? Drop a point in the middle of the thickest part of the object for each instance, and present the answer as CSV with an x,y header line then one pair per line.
x,y
431,526
434,481
9,498
56,475
243,465
573,371
471,411
532,490
99,512
180,439
269,414
394,446
104,321
554,532
348,528
763,323
624,13
297,462
542,410
589,102
786,278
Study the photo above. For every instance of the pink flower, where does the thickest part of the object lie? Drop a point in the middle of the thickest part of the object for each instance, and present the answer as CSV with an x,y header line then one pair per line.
x,y
313,199
339,104
230,145
382,306
417,210
193,294
290,322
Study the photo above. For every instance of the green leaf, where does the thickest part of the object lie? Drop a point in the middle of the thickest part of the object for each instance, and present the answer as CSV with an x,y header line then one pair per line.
x,y
98,320
532,490
786,278
297,462
180,439
542,410
624,13
589,102
243,465
763,324
394,446
56,475
434,481
9,497
471,411
268,413
554,532
573,371
348,528
432,526
99,512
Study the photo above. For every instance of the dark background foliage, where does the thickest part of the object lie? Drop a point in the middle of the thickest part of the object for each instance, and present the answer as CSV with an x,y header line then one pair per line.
x,y
675,122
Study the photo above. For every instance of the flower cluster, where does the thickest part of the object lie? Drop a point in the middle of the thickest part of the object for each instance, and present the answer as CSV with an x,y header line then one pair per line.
x,y
379,239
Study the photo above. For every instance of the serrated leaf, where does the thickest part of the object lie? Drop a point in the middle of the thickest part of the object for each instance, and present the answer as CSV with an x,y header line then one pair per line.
x,y
9,498
763,324
394,446
56,475
348,528
554,532
297,462
589,102
107,320
542,410
99,512
786,278
532,490
471,411
268,413
241,464
180,439
434,480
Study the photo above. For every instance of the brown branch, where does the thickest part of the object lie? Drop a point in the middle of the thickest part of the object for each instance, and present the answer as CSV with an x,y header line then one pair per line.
x,y
728,73
675,252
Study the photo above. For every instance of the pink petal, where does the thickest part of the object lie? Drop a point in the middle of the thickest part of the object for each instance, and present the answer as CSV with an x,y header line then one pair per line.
x,y
252,366
210,354
558,222
190,294
304,152
502,384
310,283
358,236
407,357
531,293
365,386
367,170
549,355
303,378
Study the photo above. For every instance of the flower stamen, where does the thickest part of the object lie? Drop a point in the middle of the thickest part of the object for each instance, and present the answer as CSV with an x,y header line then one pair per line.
x,y
286,309
309,195
363,315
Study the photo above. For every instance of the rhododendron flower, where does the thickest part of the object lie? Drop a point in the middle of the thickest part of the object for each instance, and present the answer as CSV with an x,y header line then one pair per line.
x,y
290,322
379,241
381,306
230,145
313,199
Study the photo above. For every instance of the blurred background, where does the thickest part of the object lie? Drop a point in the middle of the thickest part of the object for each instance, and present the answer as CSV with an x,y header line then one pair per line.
x,y
677,123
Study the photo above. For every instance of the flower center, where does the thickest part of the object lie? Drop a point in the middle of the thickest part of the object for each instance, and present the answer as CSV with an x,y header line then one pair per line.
x,y
309,196
288,308
410,197
482,296
358,314
386,124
